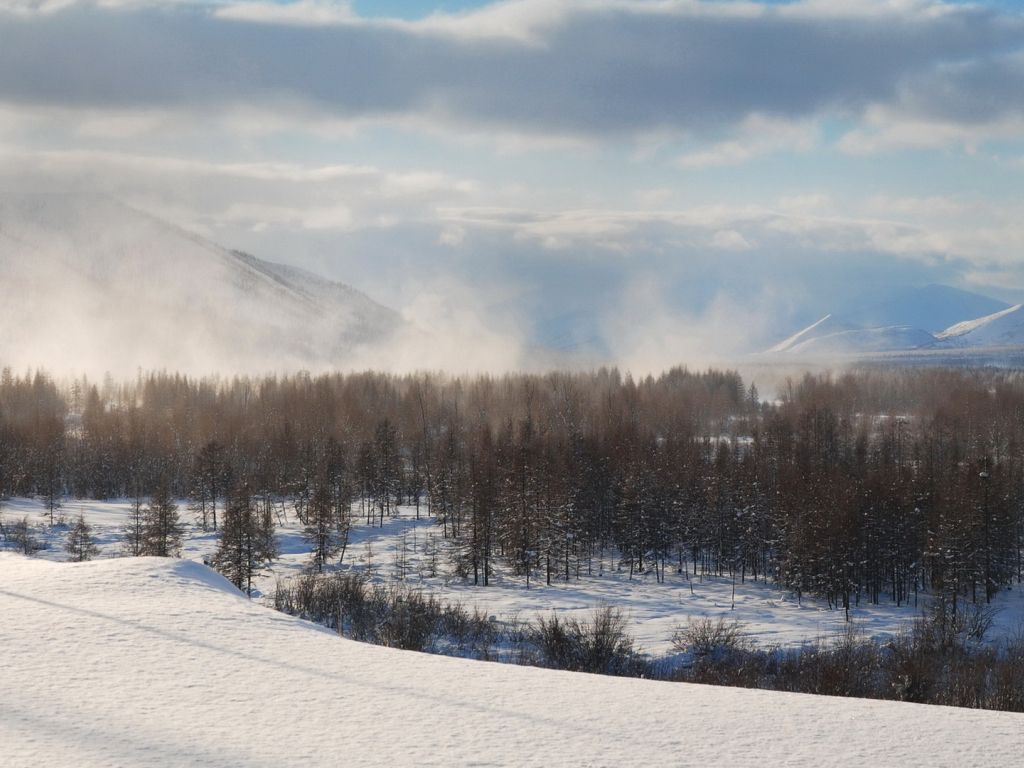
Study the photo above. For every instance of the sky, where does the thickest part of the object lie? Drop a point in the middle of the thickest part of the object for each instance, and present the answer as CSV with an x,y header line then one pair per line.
x,y
661,179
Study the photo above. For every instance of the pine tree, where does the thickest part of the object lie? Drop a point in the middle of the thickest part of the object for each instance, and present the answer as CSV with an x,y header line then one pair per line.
x,y
80,544
247,541
163,531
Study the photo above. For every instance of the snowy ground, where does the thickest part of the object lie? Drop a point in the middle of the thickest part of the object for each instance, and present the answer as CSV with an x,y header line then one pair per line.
x,y
144,661
770,615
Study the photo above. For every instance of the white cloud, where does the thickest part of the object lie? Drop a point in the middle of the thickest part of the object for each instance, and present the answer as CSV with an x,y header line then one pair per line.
x,y
542,67
730,240
300,12
758,135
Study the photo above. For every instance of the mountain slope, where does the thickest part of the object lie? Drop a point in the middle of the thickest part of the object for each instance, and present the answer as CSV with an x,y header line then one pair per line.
x,y
833,336
1005,328
90,284
826,326
862,341
139,661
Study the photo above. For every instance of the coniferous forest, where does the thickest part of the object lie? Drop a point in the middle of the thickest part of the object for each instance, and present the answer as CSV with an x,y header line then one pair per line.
x,y
868,486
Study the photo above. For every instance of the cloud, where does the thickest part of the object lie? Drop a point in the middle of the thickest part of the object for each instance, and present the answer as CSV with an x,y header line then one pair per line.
x,y
758,135
298,12
212,197
600,69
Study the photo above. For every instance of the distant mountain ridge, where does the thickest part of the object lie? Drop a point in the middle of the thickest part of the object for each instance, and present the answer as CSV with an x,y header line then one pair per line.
x,y
947,319
92,284
932,308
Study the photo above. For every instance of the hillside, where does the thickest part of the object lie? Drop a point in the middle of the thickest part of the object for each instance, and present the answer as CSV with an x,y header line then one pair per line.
x,y
1005,328
861,341
92,285
936,321
159,662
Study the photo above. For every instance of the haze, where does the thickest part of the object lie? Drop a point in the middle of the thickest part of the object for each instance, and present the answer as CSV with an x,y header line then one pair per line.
x,y
645,183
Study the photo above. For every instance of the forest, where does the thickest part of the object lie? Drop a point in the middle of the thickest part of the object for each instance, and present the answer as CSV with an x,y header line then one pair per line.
x,y
863,486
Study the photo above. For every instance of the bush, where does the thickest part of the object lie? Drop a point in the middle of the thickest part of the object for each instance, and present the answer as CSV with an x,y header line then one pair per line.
x,y
706,638
601,645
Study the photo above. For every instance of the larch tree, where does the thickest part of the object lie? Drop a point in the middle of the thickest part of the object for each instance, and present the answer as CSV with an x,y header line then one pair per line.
x,y
323,531
163,530
80,544
247,542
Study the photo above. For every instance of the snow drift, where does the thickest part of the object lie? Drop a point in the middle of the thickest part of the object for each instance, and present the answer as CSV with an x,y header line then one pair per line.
x,y
159,662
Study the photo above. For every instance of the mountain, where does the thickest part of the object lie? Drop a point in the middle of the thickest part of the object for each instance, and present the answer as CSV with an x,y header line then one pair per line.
x,y
931,308
862,341
831,336
933,319
1000,329
157,662
827,326
90,284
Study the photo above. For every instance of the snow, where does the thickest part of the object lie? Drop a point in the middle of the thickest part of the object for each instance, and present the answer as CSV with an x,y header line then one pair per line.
x,y
833,336
146,662
826,325
904,320
770,616
1005,327
866,340
91,285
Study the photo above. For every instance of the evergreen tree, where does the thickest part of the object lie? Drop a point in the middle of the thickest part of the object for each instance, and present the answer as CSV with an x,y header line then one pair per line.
x,y
80,543
163,531
247,541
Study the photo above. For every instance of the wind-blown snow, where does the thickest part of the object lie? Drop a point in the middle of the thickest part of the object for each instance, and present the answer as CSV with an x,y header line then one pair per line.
x,y
825,326
90,285
157,662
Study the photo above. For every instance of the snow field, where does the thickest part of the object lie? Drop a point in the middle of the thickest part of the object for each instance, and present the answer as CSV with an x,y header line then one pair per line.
x,y
155,662
770,616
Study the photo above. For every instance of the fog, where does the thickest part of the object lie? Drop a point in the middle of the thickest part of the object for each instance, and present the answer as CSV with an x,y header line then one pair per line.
x,y
92,286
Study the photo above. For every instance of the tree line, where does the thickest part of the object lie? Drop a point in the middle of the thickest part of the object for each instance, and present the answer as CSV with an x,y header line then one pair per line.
x,y
863,486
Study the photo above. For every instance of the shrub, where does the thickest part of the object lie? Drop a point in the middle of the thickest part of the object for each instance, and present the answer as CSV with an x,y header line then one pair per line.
x,y
706,638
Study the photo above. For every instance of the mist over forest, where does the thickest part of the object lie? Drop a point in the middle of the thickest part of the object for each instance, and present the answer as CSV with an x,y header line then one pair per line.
x,y
679,343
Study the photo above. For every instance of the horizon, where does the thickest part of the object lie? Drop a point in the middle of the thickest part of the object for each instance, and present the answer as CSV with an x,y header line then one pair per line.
x,y
649,182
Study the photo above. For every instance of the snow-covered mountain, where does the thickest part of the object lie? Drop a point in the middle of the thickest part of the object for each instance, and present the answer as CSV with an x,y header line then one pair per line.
x,y
1000,329
91,284
860,341
877,328
156,662
827,326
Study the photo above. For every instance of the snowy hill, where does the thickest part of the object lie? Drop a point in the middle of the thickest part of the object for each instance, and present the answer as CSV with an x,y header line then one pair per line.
x,y
909,321
827,326
862,341
159,662
833,336
91,284
1005,328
